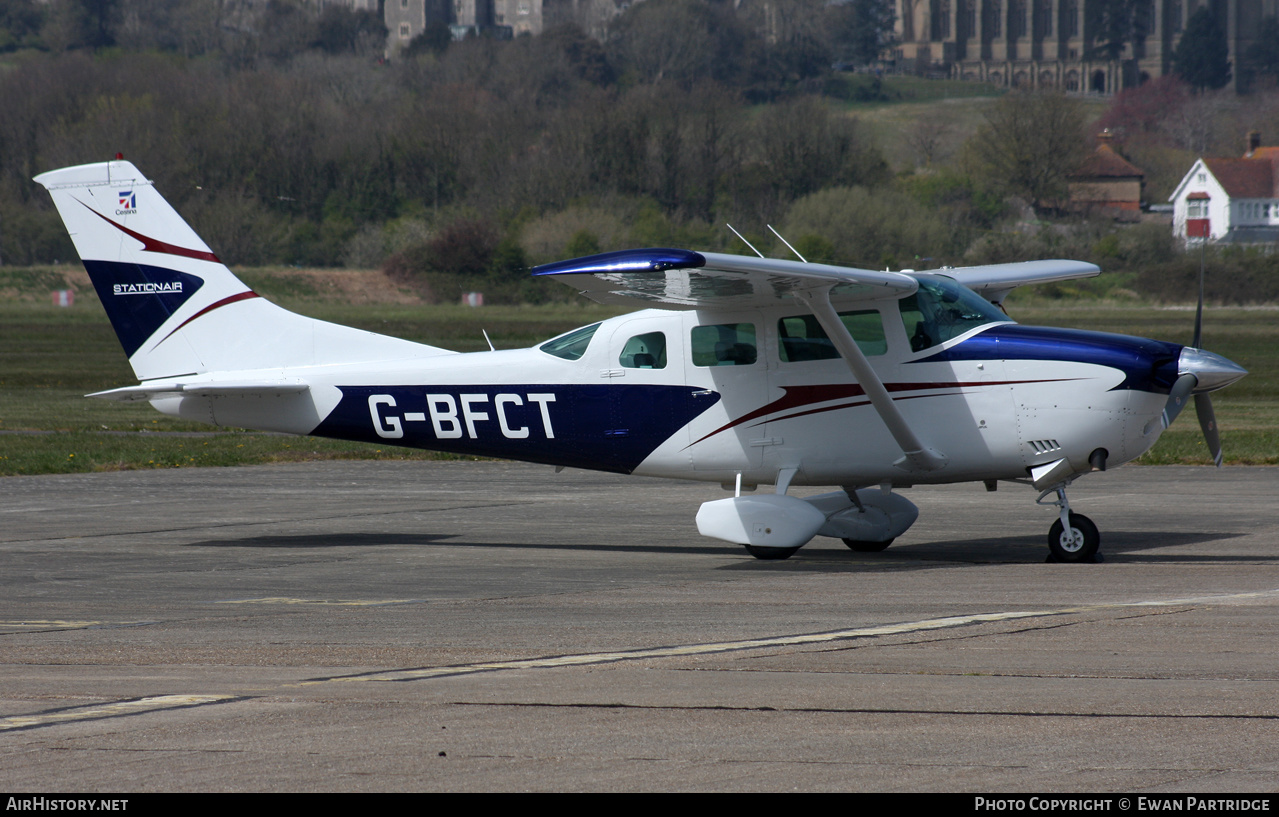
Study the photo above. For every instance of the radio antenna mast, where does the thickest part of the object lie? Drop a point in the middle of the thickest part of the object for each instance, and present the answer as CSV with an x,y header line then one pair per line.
x,y
787,243
744,241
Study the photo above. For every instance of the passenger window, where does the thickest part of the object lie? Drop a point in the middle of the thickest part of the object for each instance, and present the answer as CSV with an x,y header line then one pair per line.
x,y
644,352
802,338
724,344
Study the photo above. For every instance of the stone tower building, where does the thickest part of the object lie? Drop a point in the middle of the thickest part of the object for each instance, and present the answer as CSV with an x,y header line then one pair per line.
x,y
1053,43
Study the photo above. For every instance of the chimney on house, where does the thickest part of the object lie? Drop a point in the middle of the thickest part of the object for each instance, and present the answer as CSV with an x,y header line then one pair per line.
x,y
1254,142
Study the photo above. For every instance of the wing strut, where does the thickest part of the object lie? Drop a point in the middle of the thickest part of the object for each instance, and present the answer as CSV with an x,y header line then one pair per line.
x,y
918,457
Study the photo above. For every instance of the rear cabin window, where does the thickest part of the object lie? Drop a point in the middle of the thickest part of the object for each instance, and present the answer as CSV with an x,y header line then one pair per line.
x,y
571,346
724,344
802,338
646,351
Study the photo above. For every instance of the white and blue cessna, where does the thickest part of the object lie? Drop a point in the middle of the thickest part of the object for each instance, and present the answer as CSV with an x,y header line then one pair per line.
x,y
749,371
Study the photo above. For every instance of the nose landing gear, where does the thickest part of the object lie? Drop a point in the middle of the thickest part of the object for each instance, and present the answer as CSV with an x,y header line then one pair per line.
x,y
1073,537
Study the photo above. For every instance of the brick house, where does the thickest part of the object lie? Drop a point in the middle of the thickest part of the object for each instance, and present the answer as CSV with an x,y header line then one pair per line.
x,y
1107,181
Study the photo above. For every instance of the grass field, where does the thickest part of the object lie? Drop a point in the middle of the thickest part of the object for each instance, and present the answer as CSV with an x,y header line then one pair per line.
x,y
950,110
50,357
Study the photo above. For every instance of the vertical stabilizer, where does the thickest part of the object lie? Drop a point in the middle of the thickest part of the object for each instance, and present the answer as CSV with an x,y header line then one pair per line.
x,y
175,307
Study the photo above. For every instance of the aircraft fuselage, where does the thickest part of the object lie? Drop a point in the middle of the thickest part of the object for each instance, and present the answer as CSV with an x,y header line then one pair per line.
x,y
1002,398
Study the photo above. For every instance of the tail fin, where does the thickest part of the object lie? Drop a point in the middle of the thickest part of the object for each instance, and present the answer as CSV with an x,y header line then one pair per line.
x,y
175,307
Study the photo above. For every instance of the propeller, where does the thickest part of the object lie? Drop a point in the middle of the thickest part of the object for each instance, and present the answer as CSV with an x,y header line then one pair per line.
x,y
1208,422
1200,372
1176,400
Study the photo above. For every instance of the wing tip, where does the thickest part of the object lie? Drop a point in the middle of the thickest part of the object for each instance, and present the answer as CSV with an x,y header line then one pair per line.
x,y
652,259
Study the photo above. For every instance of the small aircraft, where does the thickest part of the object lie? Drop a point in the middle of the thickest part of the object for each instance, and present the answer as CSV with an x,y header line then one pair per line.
x,y
747,371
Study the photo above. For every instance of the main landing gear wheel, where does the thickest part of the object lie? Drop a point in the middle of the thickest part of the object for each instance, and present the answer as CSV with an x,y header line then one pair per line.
x,y
1079,544
863,546
776,554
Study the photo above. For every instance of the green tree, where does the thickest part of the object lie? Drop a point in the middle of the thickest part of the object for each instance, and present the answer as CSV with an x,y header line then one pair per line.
x,y
434,39
87,24
861,29
584,54
582,243
785,162
20,22
341,30
1116,23
868,228
792,44
1201,58
1261,57
1030,144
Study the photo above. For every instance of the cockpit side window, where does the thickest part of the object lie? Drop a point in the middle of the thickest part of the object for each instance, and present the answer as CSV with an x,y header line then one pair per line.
x,y
571,346
941,309
724,344
801,338
647,351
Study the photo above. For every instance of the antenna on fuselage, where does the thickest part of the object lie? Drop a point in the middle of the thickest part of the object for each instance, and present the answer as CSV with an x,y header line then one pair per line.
x,y
744,241
787,243
1199,309
486,337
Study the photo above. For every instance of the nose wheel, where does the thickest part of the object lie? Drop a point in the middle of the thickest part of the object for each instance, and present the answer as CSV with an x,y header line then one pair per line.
x,y
1077,543
1073,537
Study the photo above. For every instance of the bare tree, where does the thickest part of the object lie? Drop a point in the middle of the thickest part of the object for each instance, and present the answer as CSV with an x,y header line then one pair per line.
x,y
1193,126
1030,144
926,137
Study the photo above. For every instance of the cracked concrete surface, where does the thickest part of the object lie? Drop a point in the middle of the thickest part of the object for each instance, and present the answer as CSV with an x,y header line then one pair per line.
x,y
493,626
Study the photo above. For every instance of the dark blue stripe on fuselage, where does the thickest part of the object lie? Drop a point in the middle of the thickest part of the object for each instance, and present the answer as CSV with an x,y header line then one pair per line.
x,y
602,427
1148,365
139,298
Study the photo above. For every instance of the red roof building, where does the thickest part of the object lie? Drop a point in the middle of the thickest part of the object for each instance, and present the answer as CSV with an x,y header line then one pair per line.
x,y
1230,200
1106,181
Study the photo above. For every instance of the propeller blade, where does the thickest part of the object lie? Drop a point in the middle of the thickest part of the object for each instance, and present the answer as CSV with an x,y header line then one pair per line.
x,y
1177,399
1208,422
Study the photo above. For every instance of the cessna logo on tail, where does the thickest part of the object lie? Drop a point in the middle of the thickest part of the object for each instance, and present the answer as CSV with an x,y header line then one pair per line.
x,y
128,203
147,288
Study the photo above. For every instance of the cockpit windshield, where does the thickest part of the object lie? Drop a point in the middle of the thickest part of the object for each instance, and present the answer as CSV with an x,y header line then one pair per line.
x,y
572,345
942,309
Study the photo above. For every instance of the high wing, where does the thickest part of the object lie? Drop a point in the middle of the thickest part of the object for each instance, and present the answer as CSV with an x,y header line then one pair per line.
x,y
994,281
683,279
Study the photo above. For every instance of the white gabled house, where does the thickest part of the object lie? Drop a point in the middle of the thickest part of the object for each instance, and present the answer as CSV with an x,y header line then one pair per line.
x,y
1230,200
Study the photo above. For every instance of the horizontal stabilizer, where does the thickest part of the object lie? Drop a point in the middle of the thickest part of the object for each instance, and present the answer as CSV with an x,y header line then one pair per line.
x,y
228,388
